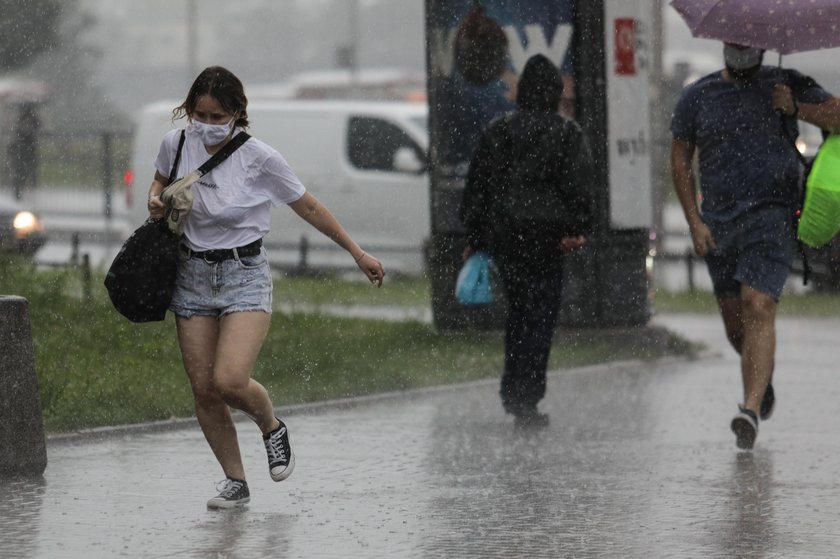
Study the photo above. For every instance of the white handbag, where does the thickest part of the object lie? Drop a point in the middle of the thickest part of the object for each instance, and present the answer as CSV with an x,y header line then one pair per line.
x,y
178,196
178,199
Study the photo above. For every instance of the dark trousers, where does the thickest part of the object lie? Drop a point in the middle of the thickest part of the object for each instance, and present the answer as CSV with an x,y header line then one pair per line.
x,y
533,287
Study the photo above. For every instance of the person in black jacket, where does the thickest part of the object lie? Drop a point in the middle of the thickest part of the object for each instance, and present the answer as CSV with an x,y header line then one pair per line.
x,y
527,205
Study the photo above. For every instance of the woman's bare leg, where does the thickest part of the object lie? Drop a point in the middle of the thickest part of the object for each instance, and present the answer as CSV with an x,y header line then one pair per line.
x,y
198,337
241,335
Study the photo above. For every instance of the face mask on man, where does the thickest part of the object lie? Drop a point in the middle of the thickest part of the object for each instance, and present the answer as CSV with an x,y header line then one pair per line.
x,y
742,63
212,134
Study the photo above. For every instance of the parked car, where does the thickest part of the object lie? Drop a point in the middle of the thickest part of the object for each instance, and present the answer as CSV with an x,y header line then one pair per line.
x,y
365,160
21,230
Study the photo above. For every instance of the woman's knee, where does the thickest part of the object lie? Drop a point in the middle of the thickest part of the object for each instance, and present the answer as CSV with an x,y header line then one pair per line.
x,y
229,385
206,394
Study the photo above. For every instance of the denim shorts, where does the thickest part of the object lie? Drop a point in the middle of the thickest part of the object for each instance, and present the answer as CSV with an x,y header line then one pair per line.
x,y
756,249
220,288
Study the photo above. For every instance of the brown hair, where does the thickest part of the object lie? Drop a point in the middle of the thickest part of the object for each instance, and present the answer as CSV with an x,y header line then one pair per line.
x,y
223,86
481,47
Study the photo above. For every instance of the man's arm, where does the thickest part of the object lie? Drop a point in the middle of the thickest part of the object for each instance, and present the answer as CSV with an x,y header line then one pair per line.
x,y
824,115
475,211
682,173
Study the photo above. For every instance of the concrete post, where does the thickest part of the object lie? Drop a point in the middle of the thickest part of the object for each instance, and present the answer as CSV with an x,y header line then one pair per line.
x,y
23,449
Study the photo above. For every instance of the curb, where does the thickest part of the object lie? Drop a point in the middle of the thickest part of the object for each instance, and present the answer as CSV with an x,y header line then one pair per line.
x,y
97,434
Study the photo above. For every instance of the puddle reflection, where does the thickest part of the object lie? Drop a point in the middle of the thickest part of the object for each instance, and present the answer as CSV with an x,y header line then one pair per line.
x,y
750,527
20,515
243,533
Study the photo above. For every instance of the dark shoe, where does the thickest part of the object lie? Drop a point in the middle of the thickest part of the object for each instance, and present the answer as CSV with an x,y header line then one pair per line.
x,y
530,418
232,493
281,459
768,403
745,427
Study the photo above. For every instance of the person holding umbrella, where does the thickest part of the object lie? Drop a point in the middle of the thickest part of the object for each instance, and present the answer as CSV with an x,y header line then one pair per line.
x,y
741,122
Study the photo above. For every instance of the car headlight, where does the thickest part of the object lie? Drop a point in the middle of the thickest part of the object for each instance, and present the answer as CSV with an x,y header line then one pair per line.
x,y
26,223
802,146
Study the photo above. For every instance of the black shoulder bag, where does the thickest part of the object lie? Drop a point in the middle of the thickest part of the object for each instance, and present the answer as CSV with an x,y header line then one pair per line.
x,y
141,278
790,134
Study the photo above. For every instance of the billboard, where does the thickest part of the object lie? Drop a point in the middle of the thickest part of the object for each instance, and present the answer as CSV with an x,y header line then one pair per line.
x,y
627,35
476,52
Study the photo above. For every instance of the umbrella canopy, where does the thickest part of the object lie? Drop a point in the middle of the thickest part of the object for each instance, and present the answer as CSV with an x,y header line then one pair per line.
x,y
783,26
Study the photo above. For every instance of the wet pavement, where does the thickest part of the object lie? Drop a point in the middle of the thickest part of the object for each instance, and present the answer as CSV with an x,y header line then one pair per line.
x,y
638,461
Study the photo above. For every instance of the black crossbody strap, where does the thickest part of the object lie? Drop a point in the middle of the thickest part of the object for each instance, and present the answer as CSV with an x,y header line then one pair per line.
x,y
174,173
223,153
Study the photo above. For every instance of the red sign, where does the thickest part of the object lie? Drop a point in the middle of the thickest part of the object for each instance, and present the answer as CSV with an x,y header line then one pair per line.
x,y
625,47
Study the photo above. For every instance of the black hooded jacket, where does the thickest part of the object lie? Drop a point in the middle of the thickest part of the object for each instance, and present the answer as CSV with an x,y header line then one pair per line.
x,y
556,147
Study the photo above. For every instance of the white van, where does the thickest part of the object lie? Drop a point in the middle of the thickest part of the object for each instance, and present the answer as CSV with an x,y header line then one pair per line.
x,y
365,160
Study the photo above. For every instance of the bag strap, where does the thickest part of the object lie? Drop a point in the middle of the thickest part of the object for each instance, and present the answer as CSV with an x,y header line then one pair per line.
x,y
787,79
806,165
173,173
223,153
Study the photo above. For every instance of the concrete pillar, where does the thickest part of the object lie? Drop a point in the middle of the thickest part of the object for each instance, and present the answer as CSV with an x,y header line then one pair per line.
x,y
23,449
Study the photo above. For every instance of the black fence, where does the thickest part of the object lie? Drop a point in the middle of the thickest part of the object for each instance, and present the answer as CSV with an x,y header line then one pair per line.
x,y
821,268
94,161
90,161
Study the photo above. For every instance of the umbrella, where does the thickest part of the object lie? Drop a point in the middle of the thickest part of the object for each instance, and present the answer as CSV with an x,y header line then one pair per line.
x,y
783,26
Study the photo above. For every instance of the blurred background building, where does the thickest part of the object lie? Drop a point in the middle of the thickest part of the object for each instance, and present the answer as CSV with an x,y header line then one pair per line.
x,y
82,69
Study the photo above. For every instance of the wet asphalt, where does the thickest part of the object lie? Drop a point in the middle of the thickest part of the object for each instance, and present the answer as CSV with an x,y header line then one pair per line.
x,y
638,461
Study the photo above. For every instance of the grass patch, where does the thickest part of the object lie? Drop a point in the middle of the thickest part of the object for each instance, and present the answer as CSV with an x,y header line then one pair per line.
x,y
817,305
332,289
824,305
95,368
697,302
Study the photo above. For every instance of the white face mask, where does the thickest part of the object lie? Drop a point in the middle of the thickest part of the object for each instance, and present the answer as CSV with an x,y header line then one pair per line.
x,y
742,59
212,134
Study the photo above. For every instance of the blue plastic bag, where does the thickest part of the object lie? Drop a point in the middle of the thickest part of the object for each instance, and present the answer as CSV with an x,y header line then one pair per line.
x,y
475,282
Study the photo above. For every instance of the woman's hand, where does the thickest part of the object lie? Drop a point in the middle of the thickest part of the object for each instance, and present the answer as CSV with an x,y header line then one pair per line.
x,y
372,268
156,206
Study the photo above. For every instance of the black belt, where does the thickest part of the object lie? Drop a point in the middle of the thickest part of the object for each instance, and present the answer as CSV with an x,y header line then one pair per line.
x,y
219,254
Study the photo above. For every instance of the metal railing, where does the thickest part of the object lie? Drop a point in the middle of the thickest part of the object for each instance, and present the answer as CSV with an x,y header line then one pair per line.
x,y
690,259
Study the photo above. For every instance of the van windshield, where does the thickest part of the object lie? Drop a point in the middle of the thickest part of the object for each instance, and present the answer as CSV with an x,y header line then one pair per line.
x,y
421,121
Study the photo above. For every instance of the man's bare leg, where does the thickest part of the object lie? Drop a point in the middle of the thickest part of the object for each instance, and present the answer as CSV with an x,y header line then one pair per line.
x,y
733,311
758,346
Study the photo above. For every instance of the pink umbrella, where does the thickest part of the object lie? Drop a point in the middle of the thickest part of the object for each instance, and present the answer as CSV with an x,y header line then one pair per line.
x,y
783,26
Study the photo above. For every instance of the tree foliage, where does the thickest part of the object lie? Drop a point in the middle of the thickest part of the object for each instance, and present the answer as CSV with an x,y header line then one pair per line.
x,y
27,28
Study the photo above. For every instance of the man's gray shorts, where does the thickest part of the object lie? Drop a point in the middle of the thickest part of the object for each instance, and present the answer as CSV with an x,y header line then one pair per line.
x,y
755,249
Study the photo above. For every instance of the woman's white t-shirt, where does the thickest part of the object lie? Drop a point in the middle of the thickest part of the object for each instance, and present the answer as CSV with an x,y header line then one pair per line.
x,y
231,203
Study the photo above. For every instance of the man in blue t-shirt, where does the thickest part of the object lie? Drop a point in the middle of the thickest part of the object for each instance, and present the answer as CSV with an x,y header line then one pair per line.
x,y
741,121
